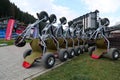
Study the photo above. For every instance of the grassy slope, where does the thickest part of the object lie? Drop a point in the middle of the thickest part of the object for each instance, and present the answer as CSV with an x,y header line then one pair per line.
x,y
85,68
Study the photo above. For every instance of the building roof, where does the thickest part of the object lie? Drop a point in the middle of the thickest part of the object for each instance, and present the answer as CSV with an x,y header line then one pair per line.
x,y
117,31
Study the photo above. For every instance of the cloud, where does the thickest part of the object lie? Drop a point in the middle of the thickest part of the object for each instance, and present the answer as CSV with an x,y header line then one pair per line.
x,y
114,20
64,11
35,6
105,6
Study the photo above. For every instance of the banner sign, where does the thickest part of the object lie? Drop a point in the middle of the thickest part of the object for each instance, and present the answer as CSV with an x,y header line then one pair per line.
x,y
9,29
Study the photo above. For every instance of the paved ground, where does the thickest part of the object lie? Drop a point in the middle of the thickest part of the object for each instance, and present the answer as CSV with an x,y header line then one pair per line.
x,y
11,64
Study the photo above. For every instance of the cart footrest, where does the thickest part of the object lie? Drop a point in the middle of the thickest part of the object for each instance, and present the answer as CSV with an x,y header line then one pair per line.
x,y
26,65
97,53
29,60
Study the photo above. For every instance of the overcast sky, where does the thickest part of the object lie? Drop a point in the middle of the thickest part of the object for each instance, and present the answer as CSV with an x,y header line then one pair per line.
x,y
72,8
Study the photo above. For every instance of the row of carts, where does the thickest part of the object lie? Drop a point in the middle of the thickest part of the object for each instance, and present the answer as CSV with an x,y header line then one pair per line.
x,y
50,42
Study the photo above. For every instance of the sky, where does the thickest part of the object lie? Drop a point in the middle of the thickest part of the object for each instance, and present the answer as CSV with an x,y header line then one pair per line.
x,y
72,8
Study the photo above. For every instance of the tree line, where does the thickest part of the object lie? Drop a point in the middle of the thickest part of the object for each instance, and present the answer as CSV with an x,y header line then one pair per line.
x,y
8,9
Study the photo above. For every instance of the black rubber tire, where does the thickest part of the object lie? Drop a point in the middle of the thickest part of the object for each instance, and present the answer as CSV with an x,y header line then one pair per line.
x,y
105,21
42,15
70,23
78,51
18,43
48,60
91,49
113,54
23,43
63,55
86,48
82,48
71,52
52,18
63,20
27,53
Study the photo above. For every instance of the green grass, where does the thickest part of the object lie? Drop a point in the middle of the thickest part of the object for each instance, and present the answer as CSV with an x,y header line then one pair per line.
x,y
84,68
9,42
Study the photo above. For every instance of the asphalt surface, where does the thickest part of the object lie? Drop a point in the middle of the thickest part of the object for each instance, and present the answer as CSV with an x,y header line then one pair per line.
x,y
11,58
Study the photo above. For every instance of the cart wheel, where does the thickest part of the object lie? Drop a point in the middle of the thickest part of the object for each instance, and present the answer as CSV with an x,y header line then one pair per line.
x,y
86,48
27,53
113,53
90,50
78,51
71,52
63,20
19,43
52,18
42,15
82,48
63,55
48,60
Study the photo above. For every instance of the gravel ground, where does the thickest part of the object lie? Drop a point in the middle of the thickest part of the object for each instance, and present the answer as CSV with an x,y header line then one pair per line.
x,y
11,58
